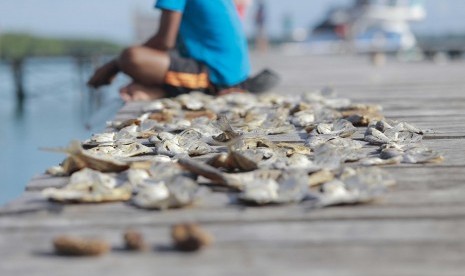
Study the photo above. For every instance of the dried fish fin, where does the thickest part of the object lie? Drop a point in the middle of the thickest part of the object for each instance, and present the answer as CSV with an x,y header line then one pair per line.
x,y
320,177
80,158
226,127
207,171
376,137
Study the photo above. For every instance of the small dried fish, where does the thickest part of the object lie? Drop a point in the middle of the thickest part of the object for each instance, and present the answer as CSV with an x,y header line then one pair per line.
x,y
228,132
421,155
382,132
120,151
320,177
303,118
107,138
80,158
172,193
336,152
288,188
188,142
261,192
190,102
295,162
376,137
376,161
355,186
341,128
89,186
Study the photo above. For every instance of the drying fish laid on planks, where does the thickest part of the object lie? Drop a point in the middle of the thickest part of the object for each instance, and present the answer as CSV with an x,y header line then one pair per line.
x,y
262,150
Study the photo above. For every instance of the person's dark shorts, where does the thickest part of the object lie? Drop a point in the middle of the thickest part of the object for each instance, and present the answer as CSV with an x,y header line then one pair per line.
x,y
186,75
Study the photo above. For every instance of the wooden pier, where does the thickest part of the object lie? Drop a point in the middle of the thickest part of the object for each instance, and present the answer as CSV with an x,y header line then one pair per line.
x,y
418,229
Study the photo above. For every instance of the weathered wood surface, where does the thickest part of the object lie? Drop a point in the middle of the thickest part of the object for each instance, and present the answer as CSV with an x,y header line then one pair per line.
x,y
417,229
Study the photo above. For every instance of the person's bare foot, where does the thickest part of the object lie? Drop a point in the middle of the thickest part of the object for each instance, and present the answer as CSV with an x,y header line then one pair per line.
x,y
138,92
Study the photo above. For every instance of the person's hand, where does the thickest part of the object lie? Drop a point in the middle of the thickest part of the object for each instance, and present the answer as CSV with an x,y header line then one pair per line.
x,y
104,75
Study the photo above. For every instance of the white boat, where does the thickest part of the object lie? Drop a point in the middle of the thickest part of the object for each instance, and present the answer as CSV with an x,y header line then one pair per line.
x,y
367,26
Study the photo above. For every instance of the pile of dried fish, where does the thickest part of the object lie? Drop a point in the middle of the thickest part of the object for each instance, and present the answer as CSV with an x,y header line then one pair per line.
x,y
327,147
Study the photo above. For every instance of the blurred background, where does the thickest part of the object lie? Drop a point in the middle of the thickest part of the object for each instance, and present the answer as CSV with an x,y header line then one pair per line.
x,y
49,48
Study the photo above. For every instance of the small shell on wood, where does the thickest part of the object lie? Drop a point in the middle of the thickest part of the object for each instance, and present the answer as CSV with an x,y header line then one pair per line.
x,y
74,246
190,237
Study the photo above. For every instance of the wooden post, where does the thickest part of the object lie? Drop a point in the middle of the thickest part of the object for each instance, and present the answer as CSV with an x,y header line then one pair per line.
x,y
17,66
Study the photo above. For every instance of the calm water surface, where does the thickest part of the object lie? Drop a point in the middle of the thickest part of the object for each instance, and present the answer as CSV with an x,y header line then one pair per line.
x,y
56,111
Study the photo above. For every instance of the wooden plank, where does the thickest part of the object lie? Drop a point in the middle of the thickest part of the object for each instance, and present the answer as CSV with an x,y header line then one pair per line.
x,y
29,202
427,259
40,182
115,214
332,248
424,178
451,150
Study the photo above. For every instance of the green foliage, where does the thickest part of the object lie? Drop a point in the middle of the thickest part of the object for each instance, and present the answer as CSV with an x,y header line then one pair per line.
x,y
18,46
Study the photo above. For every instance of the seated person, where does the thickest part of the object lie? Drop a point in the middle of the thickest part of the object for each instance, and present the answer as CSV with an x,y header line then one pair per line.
x,y
211,55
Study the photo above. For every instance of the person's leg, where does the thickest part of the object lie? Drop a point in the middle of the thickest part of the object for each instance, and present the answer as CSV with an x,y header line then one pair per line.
x,y
148,68
145,65
138,92
158,74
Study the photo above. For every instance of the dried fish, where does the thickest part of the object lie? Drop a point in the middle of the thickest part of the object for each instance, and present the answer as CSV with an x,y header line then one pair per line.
x,y
190,102
421,155
176,192
80,158
294,148
303,118
296,162
320,177
315,141
335,152
188,142
288,188
376,137
382,132
89,186
376,161
107,138
261,192
355,186
185,130
228,132
121,151
341,128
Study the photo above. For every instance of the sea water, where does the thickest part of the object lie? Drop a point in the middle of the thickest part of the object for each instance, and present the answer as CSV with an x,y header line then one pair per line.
x,y
57,110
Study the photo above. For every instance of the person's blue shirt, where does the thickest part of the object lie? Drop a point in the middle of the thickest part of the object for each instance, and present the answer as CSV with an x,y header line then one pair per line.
x,y
211,32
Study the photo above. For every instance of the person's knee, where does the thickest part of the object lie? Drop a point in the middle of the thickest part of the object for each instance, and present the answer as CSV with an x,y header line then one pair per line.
x,y
131,58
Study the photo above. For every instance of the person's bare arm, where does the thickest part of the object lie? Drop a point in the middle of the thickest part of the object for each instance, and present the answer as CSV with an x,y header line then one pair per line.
x,y
164,40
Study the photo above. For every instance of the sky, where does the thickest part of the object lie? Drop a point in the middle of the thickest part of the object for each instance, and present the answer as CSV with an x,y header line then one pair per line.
x,y
111,19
